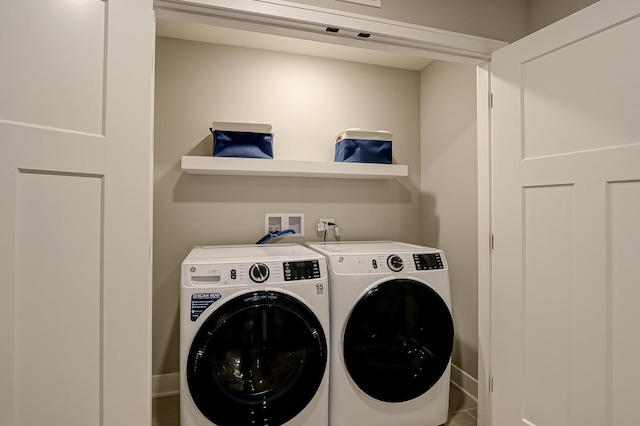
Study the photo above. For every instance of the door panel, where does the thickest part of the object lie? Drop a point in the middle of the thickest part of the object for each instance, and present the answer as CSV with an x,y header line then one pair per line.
x,y
561,116
566,149
58,307
8,187
624,247
548,274
75,212
61,49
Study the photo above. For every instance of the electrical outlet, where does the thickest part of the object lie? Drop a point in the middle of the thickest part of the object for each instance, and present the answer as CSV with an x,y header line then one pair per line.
x,y
322,224
276,222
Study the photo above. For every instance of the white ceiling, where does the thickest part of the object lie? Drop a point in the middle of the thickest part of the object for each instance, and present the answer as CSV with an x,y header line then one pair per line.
x,y
233,37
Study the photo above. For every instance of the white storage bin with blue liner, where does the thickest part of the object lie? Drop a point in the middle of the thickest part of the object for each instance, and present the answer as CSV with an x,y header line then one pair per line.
x,y
362,146
244,140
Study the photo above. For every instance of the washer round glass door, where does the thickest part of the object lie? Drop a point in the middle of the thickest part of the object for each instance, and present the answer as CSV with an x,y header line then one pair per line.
x,y
398,340
259,359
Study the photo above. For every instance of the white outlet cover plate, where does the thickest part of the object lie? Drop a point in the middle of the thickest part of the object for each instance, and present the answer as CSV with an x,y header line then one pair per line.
x,y
374,3
285,221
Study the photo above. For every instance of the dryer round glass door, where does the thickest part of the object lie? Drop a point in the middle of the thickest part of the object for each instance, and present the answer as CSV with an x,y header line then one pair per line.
x,y
398,340
259,359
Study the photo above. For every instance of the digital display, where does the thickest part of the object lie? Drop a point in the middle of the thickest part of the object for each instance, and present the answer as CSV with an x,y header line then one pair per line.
x,y
303,270
425,262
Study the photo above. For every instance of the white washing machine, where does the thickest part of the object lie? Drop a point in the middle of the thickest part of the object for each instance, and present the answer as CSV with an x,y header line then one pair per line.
x,y
254,324
391,334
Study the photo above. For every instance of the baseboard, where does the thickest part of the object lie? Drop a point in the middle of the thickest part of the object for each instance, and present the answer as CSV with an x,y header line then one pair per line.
x,y
165,385
464,382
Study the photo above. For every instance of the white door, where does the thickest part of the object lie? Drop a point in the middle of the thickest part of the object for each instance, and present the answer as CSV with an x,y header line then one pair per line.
x,y
566,222
75,227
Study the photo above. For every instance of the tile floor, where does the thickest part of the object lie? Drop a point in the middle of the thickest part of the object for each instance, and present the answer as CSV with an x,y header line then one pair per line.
x,y
463,411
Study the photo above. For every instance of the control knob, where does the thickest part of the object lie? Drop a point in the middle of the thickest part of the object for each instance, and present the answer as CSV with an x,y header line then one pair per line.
x,y
395,263
259,272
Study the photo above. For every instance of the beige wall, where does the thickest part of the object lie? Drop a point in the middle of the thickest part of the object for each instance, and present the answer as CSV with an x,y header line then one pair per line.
x,y
545,12
308,101
449,191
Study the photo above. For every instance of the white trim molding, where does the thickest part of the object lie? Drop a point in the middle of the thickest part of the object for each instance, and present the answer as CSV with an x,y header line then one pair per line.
x,y
295,20
485,241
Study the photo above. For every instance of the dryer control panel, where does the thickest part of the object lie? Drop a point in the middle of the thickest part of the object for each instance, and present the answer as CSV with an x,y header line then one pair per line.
x,y
386,263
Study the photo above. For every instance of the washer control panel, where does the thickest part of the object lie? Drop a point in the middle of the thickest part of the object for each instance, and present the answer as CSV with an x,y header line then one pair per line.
x,y
304,270
252,273
427,262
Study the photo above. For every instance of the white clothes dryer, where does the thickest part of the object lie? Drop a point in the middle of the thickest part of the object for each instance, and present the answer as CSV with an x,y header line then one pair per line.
x,y
254,324
391,334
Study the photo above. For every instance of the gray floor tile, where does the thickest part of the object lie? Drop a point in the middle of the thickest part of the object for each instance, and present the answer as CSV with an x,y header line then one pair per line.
x,y
461,418
166,411
473,413
459,401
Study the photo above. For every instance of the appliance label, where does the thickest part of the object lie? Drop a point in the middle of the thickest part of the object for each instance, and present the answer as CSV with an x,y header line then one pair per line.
x,y
201,301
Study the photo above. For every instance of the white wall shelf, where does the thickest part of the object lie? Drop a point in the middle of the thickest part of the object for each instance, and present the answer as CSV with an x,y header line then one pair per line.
x,y
262,167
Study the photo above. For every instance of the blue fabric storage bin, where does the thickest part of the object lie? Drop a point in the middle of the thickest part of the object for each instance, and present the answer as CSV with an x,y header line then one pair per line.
x,y
227,143
363,151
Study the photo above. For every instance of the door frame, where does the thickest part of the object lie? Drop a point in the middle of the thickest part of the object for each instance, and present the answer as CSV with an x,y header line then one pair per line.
x,y
299,21
485,242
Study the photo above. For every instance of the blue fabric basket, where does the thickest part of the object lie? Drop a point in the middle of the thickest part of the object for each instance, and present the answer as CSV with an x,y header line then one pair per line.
x,y
363,151
242,144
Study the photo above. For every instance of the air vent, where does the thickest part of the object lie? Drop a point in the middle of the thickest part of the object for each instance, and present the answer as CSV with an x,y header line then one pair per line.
x,y
332,29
